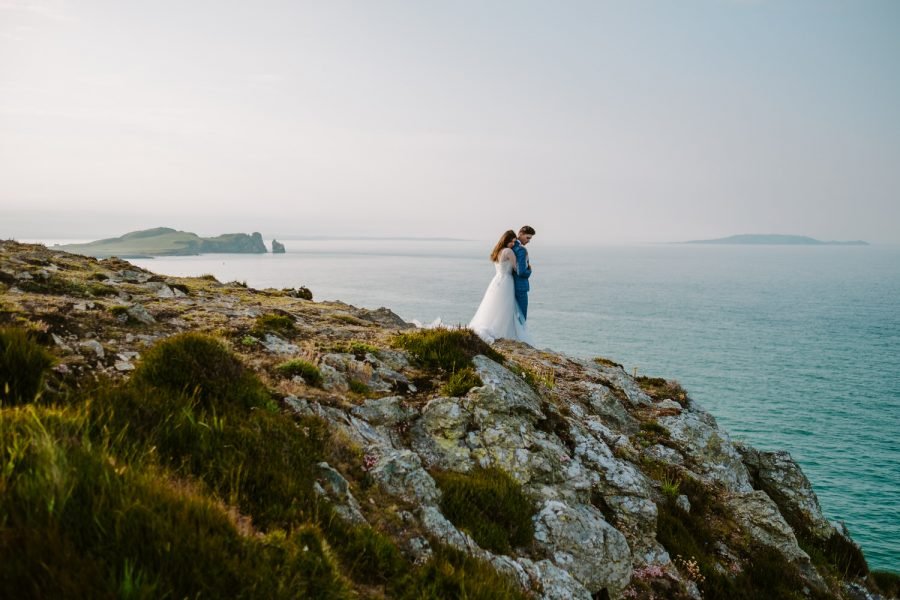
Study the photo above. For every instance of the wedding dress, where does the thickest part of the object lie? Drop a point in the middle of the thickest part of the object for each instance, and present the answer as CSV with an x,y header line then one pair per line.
x,y
499,316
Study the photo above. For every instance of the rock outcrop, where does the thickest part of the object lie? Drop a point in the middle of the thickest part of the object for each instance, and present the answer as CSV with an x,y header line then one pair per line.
x,y
616,468
277,247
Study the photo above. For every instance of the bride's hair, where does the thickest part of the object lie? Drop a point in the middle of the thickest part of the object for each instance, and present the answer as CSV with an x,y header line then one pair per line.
x,y
506,238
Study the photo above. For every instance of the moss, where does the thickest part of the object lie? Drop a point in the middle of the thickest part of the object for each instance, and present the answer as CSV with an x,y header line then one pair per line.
x,y
450,350
661,389
607,362
489,505
23,366
308,371
274,323
461,382
199,364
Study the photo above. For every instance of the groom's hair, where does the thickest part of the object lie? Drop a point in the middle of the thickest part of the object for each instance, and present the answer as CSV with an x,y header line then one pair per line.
x,y
526,229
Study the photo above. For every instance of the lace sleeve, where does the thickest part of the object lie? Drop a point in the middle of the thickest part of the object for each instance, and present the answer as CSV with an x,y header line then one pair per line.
x,y
508,256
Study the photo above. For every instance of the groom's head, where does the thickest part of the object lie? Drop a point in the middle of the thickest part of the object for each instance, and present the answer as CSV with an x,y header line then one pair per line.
x,y
525,234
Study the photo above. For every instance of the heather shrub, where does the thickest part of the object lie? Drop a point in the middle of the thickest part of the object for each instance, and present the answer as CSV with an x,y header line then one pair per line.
x,y
489,505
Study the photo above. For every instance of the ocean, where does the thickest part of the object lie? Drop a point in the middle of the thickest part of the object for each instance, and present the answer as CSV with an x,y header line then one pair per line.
x,y
789,347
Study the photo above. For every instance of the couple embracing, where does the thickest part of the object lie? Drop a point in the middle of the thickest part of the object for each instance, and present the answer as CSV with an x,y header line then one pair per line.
x,y
504,308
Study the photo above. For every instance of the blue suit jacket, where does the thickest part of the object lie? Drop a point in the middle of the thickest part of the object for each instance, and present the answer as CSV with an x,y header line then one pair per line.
x,y
523,270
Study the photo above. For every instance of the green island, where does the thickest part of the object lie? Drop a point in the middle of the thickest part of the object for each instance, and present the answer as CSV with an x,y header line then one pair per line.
x,y
169,437
165,241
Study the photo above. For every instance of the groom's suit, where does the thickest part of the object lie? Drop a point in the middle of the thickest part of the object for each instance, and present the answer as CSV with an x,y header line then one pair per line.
x,y
520,277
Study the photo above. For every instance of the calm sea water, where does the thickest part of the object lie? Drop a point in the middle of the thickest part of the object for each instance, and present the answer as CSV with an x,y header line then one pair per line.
x,y
794,348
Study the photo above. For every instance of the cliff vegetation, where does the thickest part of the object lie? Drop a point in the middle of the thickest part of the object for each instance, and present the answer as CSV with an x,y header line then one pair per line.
x,y
184,437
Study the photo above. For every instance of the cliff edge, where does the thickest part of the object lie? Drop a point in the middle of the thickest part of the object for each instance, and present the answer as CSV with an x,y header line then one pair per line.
x,y
185,436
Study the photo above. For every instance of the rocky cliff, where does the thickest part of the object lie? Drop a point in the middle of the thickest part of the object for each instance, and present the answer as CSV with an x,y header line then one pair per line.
x,y
630,488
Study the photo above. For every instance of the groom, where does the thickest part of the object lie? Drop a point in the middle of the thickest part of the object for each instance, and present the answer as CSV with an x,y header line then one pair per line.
x,y
523,268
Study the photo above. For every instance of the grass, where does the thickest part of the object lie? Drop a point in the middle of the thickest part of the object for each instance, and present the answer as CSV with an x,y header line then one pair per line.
x,y
198,364
101,289
54,285
450,350
274,323
308,371
358,387
461,382
23,366
81,521
489,505
671,487
536,379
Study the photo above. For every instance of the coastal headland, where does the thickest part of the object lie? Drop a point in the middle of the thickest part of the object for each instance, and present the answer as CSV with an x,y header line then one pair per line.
x,y
186,436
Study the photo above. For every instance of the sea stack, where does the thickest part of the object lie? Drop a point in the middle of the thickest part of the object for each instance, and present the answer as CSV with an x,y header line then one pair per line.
x,y
277,247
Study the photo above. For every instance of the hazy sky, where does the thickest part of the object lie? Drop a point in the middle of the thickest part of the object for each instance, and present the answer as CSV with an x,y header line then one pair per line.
x,y
608,121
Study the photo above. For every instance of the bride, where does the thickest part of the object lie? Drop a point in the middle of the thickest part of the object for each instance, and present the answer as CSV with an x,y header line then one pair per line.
x,y
499,315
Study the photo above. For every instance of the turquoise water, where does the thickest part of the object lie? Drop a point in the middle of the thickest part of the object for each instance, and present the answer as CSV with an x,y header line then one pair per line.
x,y
794,348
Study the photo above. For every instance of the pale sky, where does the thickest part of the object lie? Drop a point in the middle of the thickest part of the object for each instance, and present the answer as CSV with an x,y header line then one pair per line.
x,y
628,121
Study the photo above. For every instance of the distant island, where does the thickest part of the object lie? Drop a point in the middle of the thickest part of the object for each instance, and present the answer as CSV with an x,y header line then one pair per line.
x,y
165,241
776,240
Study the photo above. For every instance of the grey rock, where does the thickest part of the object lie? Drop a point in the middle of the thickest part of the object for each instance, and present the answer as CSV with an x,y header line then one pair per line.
x,y
554,583
605,404
683,503
140,314
122,365
437,525
700,438
635,517
781,478
336,488
277,247
95,347
60,343
277,345
503,391
664,454
758,515
384,411
439,435
582,543
400,473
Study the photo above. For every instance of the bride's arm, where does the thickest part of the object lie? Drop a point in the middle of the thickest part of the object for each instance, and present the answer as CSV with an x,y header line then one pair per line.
x,y
507,255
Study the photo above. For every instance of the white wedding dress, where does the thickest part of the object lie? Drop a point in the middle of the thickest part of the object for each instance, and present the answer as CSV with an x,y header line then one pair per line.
x,y
499,316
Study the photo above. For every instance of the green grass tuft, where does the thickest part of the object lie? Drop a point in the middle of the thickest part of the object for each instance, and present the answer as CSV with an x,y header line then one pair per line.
x,y
23,366
461,382
274,323
308,371
489,505
358,387
448,349
202,365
